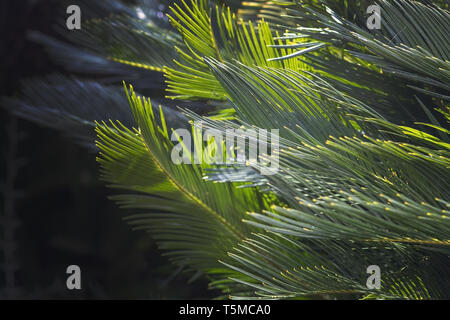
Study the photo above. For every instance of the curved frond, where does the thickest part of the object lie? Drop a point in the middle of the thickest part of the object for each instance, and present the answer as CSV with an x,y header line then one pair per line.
x,y
194,219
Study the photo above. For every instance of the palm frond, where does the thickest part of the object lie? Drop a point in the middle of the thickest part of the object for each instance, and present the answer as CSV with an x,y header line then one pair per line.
x,y
193,219
298,269
148,46
71,105
218,34
410,46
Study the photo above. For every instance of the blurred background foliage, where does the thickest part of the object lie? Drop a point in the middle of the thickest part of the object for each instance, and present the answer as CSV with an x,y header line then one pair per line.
x,y
62,211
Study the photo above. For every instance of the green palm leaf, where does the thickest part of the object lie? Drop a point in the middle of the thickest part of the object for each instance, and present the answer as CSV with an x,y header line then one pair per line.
x,y
193,219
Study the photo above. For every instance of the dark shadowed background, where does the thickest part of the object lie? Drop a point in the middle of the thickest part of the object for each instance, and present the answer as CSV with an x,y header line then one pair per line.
x,y
54,211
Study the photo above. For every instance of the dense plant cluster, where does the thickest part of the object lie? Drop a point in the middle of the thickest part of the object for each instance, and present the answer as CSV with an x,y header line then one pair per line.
x,y
364,142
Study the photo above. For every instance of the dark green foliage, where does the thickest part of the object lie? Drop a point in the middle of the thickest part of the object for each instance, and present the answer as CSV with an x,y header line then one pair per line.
x,y
364,150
